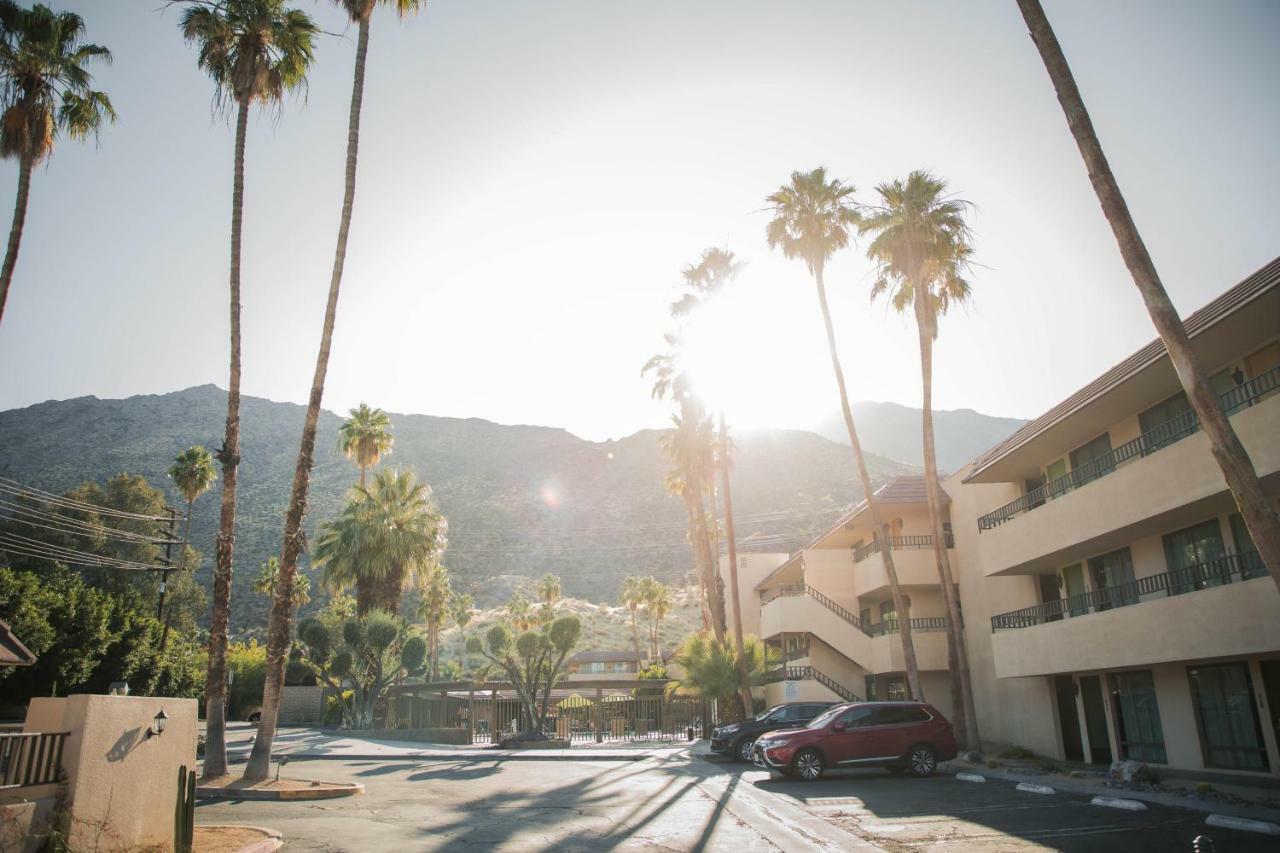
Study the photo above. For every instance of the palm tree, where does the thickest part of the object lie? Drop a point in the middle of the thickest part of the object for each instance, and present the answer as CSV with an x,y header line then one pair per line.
x,y
255,51
44,90
710,667
921,248
388,534
633,598
548,590
278,623
365,437
657,602
435,607
1260,516
811,221
520,613
194,474
464,606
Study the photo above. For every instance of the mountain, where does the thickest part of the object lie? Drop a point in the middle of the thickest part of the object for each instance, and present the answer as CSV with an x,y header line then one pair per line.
x,y
521,500
895,431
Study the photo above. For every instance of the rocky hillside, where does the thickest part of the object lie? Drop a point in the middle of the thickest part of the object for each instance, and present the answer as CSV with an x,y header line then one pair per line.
x,y
521,500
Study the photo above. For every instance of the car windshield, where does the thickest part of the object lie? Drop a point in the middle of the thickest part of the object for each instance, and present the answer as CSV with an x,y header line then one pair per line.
x,y
825,717
765,715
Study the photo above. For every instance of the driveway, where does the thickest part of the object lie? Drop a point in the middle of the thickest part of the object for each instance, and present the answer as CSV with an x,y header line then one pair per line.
x,y
689,803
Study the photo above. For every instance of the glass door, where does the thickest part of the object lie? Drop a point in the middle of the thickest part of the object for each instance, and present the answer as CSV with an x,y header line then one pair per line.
x,y
1095,719
1113,579
1137,716
1073,581
1053,476
1230,732
1193,555
1092,460
1166,422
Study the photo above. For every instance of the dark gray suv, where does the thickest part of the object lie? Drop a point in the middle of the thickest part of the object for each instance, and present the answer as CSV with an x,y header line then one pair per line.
x,y
737,739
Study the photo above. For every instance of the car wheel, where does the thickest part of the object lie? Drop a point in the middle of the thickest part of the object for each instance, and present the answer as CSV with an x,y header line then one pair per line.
x,y
922,760
745,746
808,765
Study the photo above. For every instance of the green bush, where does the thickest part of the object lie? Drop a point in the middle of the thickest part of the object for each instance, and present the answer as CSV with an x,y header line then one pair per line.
x,y
1204,788
1017,753
333,708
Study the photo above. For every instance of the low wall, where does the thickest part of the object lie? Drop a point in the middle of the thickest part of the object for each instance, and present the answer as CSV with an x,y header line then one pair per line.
x,y
302,705
452,737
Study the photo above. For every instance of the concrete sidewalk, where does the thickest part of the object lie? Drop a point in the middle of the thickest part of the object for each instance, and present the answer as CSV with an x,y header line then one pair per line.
x,y
312,744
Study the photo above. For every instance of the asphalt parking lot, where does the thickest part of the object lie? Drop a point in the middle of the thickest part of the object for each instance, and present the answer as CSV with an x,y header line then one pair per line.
x,y
687,802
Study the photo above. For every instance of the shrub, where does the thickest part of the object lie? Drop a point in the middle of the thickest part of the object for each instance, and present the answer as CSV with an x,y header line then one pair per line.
x,y
1204,788
1017,753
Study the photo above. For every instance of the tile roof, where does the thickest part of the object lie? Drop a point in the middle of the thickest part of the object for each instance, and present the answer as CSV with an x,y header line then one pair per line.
x,y
605,656
12,652
1228,303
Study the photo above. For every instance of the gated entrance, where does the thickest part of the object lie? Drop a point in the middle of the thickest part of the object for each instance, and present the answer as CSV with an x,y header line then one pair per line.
x,y
578,711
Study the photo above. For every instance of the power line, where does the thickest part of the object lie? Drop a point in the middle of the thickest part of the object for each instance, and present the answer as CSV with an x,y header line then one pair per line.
x,y
74,526
16,488
37,548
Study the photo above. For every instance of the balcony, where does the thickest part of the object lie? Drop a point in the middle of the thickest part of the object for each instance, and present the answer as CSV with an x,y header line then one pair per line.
x,y
1168,479
928,635
797,608
915,567
1221,608
1165,434
900,543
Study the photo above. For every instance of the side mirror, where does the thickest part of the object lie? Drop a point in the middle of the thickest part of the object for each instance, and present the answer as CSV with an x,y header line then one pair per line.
x,y
838,727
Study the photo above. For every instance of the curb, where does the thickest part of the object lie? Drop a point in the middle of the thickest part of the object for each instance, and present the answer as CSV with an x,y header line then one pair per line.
x,y
1249,812
1031,788
970,777
1119,803
1242,823
321,791
273,840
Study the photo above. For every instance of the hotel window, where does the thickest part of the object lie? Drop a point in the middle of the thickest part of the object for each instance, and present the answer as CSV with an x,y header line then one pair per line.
x,y
1137,716
1092,460
1251,565
1113,579
897,690
1165,423
1193,555
1230,734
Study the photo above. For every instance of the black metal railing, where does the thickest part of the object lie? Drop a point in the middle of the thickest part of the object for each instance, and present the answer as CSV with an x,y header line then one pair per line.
x,y
793,589
797,652
1149,442
1232,568
808,673
861,552
924,623
31,758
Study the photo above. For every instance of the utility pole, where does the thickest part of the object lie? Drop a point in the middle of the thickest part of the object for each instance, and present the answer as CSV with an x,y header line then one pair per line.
x,y
167,562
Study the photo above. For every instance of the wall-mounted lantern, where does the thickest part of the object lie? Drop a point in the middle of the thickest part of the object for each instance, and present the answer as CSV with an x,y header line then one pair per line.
x,y
158,724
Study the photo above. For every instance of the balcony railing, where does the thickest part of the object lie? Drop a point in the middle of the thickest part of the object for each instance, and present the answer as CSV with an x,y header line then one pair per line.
x,y
1144,445
800,651
1224,570
30,758
925,623
861,552
792,589
808,673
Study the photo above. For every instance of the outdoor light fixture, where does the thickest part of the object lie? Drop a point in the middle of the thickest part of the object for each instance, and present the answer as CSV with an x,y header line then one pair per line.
x,y
158,724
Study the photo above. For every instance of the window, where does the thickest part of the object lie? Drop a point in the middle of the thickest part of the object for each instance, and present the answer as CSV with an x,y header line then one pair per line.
x,y
1113,579
856,717
796,714
1251,565
887,611
871,687
896,690
1092,460
886,716
1165,423
1193,556
1230,734
1137,716
915,714
1052,475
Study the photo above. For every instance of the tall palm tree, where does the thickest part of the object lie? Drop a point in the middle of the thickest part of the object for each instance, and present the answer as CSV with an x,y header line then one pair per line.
x,y
194,474
657,602
811,221
632,598
281,615
1260,516
365,437
255,51
921,248
45,90
387,535
435,606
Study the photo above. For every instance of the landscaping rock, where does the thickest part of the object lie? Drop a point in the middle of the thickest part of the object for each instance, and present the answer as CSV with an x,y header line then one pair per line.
x,y
1129,771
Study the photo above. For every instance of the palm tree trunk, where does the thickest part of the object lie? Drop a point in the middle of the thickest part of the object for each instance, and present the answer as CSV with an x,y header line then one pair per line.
x,y
1260,517
705,599
744,680
715,593
886,546
215,690
966,721
15,231
279,623
635,633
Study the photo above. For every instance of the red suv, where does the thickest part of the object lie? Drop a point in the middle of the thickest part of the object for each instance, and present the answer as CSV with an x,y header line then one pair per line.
x,y
904,737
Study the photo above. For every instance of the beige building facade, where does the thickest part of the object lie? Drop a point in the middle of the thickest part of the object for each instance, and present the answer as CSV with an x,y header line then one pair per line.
x,y
1114,605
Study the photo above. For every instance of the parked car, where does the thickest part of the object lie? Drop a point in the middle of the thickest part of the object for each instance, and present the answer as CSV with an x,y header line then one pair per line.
x,y
903,737
737,739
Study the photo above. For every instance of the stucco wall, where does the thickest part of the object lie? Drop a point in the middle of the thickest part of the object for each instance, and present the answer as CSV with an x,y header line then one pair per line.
x,y
122,784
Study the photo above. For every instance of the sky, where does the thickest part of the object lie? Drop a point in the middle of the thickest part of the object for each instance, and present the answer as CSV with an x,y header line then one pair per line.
x,y
534,176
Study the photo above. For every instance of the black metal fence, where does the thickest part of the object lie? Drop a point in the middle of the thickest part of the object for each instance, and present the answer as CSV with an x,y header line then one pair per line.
x,y
861,552
1149,442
